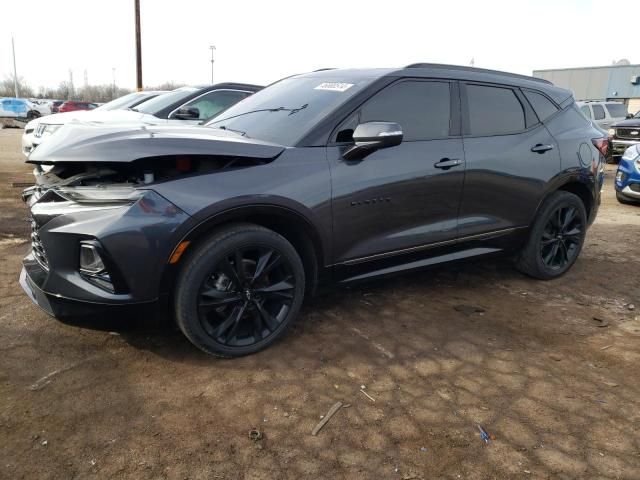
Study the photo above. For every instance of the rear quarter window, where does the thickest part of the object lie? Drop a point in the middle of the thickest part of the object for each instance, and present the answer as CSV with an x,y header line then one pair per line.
x,y
543,107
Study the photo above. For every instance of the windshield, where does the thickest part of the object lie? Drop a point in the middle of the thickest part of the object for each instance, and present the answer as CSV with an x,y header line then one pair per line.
x,y
285,111
121,102
637,115
617,110
161,102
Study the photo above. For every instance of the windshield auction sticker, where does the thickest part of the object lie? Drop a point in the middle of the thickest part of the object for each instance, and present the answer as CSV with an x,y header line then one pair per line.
x,y
334,86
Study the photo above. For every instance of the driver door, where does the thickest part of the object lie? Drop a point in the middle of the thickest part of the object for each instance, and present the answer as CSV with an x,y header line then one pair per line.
x,y
400,199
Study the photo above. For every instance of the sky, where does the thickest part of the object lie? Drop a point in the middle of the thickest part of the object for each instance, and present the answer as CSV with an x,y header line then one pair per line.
x,y
262,41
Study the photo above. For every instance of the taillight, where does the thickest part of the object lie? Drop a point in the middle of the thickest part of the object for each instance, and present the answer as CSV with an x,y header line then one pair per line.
x,y
602,144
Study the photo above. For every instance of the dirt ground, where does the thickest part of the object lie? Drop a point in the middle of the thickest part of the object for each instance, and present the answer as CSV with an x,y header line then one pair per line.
x,y
558,391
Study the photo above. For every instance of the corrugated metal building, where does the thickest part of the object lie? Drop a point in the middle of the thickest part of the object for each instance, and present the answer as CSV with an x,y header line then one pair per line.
x,y
613,82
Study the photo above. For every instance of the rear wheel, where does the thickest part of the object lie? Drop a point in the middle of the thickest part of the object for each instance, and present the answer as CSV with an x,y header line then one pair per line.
x,y
556,237
239,291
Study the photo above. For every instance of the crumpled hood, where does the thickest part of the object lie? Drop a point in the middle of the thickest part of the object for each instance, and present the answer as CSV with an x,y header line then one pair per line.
x,y
629,123
97,142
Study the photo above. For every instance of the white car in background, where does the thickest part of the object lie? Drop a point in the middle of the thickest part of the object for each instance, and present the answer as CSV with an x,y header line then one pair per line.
x,y
42,106
39,128
186,105
15,112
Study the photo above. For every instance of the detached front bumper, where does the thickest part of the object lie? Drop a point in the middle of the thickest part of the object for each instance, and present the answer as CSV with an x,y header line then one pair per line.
x,y
135,240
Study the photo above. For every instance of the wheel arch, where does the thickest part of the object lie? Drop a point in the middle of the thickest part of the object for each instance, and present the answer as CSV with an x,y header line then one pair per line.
x,y
579,185
292,225
582,191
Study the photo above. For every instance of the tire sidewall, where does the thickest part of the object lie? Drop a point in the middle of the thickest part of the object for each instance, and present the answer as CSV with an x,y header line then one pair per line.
x,y
200,265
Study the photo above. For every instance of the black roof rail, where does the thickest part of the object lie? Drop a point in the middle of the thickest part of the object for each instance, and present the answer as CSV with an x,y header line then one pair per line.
x,y
474,69
323,69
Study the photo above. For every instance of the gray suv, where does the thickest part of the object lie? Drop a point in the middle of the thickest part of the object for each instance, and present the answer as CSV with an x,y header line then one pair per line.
x,y
330,177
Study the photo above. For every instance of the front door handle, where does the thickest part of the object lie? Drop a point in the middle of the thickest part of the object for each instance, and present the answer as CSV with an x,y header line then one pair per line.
x,y
540,148
447,163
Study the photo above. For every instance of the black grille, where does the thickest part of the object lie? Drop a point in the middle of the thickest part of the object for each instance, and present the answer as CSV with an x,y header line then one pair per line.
x,y
627,133
37,248
635,187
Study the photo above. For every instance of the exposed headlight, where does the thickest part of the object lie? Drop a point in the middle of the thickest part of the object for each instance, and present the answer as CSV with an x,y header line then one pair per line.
x,y
611,132
46,129
101,195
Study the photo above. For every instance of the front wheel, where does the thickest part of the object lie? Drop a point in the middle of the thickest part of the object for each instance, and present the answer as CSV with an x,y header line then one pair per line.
x,y
556,237
239,291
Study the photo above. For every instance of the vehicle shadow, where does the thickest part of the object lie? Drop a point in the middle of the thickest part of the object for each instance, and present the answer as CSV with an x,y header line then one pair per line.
x,y
155,331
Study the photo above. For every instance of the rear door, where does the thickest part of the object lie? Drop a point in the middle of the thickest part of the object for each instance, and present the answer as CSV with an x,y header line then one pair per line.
x,y
398,198
509,156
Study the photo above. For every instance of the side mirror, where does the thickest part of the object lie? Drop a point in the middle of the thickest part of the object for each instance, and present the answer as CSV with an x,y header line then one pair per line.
x,y
372,136
629,115
187,113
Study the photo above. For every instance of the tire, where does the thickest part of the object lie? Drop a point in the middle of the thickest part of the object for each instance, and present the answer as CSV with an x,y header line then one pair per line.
x,y
231,312
556,237
624,200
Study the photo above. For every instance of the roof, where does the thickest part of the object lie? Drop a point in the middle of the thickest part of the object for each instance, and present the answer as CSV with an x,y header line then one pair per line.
x,y
434,70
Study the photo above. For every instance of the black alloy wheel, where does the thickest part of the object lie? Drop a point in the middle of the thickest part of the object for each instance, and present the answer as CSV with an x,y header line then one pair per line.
x,y
562,238
555,238
239,290
247,296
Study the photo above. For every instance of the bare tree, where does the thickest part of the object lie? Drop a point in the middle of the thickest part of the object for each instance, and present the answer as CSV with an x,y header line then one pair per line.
x,y
7,87
166,86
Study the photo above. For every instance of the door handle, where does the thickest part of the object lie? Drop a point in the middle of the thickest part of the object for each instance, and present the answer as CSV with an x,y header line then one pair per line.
x,y
447,163
540,148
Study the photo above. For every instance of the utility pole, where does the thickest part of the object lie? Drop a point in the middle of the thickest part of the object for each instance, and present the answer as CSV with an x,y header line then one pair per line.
x,y
15,72
71,87
212,48
138,49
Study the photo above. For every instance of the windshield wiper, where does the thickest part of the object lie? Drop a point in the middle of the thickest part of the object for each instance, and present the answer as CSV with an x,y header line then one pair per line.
x,y
278,109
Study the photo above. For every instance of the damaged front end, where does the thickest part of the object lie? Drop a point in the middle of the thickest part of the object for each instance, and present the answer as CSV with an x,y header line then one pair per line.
x,y
101,235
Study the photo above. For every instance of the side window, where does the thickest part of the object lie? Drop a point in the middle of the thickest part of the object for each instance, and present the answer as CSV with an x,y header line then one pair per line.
x,y
494,111
215,102
598,112
543,107
423,109
586,111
